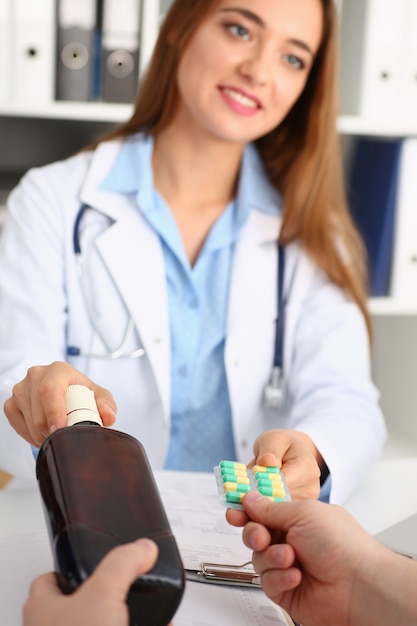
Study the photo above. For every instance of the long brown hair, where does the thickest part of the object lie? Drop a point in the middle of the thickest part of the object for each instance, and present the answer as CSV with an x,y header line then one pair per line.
x,y
302,155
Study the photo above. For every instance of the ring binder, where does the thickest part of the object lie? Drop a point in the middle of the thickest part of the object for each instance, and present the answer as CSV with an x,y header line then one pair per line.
x,y
76,24
120,49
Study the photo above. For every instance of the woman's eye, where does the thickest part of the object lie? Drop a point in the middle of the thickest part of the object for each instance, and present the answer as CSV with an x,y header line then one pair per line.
x,y
294,61
238,31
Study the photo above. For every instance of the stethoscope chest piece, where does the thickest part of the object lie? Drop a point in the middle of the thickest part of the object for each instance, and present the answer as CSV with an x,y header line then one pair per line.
x,y
273,390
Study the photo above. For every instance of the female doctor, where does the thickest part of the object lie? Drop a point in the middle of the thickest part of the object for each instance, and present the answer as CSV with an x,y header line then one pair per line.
x,y
148,264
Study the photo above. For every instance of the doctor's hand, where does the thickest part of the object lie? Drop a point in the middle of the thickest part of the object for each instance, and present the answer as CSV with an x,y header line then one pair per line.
x,y
37,408
100,600
296,455
323,568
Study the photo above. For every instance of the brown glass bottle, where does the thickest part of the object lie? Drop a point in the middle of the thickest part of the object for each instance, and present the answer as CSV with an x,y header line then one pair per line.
x,y
98,491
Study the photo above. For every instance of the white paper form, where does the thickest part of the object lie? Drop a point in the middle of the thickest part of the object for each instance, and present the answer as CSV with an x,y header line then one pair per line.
x,y
198,520
213,605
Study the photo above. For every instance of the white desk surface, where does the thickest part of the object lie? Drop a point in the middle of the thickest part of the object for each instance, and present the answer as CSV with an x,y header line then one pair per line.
x,y
200,528
386,496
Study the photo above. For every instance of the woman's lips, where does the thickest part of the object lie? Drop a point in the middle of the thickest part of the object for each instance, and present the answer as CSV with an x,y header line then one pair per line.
x,y
240,102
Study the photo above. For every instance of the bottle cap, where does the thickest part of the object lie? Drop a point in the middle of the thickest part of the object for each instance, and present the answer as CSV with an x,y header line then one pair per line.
x,y
81,405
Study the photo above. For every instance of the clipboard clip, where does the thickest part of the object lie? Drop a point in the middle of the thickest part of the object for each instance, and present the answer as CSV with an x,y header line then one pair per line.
x,y
233,574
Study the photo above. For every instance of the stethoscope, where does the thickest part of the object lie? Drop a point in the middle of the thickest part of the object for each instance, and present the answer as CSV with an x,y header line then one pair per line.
x,y
273,393
273,390
122,351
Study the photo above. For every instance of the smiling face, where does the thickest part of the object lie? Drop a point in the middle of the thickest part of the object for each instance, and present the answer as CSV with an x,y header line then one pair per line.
x,y
246,66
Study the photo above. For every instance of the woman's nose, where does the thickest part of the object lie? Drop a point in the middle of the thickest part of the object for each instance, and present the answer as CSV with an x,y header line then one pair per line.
x,y
258,65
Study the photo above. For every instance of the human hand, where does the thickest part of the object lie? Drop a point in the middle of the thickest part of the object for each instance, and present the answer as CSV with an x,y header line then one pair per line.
x,y
296,455
37,408
100,600
320,574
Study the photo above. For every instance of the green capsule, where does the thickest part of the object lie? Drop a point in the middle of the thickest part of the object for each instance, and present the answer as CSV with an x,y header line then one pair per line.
x,y
233,465
233,478
265,482
233,497
276,492
275,478
267,469
236,487
226,471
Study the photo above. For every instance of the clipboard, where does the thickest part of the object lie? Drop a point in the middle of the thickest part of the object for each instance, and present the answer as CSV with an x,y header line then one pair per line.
x,y
226,574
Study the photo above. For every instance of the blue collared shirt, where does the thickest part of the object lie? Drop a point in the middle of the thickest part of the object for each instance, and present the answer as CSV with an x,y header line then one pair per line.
x,y
201,426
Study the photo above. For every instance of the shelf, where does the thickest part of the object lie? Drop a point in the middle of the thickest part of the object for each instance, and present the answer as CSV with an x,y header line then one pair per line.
x,y
108,112
392,306
81,111
355,125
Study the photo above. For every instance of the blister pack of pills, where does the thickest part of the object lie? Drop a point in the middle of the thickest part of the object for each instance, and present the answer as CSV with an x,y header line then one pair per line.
x,y
235,479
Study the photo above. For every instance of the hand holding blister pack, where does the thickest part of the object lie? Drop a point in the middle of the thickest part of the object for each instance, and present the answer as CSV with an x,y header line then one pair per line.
x,y
234,480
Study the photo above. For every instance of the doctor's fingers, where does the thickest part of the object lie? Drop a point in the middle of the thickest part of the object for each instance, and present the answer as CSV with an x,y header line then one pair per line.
x,y
297,457
48,385
302,474
52,387
37,406
273,445
25,412
18,423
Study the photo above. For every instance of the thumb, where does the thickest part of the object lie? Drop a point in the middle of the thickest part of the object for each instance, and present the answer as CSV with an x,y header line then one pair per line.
x,y
270,448
274,515
268,458
45,586
119,568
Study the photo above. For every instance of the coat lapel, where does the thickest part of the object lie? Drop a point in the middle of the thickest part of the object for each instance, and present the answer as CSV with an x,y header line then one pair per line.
x,y
252,313
131,251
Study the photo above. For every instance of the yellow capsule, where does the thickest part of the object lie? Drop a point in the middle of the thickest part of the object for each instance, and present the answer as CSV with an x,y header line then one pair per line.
x,y
267,482
234,465
258,468
268,469
275,492
236,487
268,476
234,498
236,472
232,478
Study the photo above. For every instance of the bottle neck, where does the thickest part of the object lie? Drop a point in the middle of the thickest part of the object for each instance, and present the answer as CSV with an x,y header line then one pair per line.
x,y
81,406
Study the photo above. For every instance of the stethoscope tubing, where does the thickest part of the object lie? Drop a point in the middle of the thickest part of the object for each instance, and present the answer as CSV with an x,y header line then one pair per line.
x,y
122,351
276,380
279,333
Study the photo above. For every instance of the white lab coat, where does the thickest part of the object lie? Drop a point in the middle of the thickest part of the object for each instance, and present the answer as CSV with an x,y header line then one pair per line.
x,y
328,391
